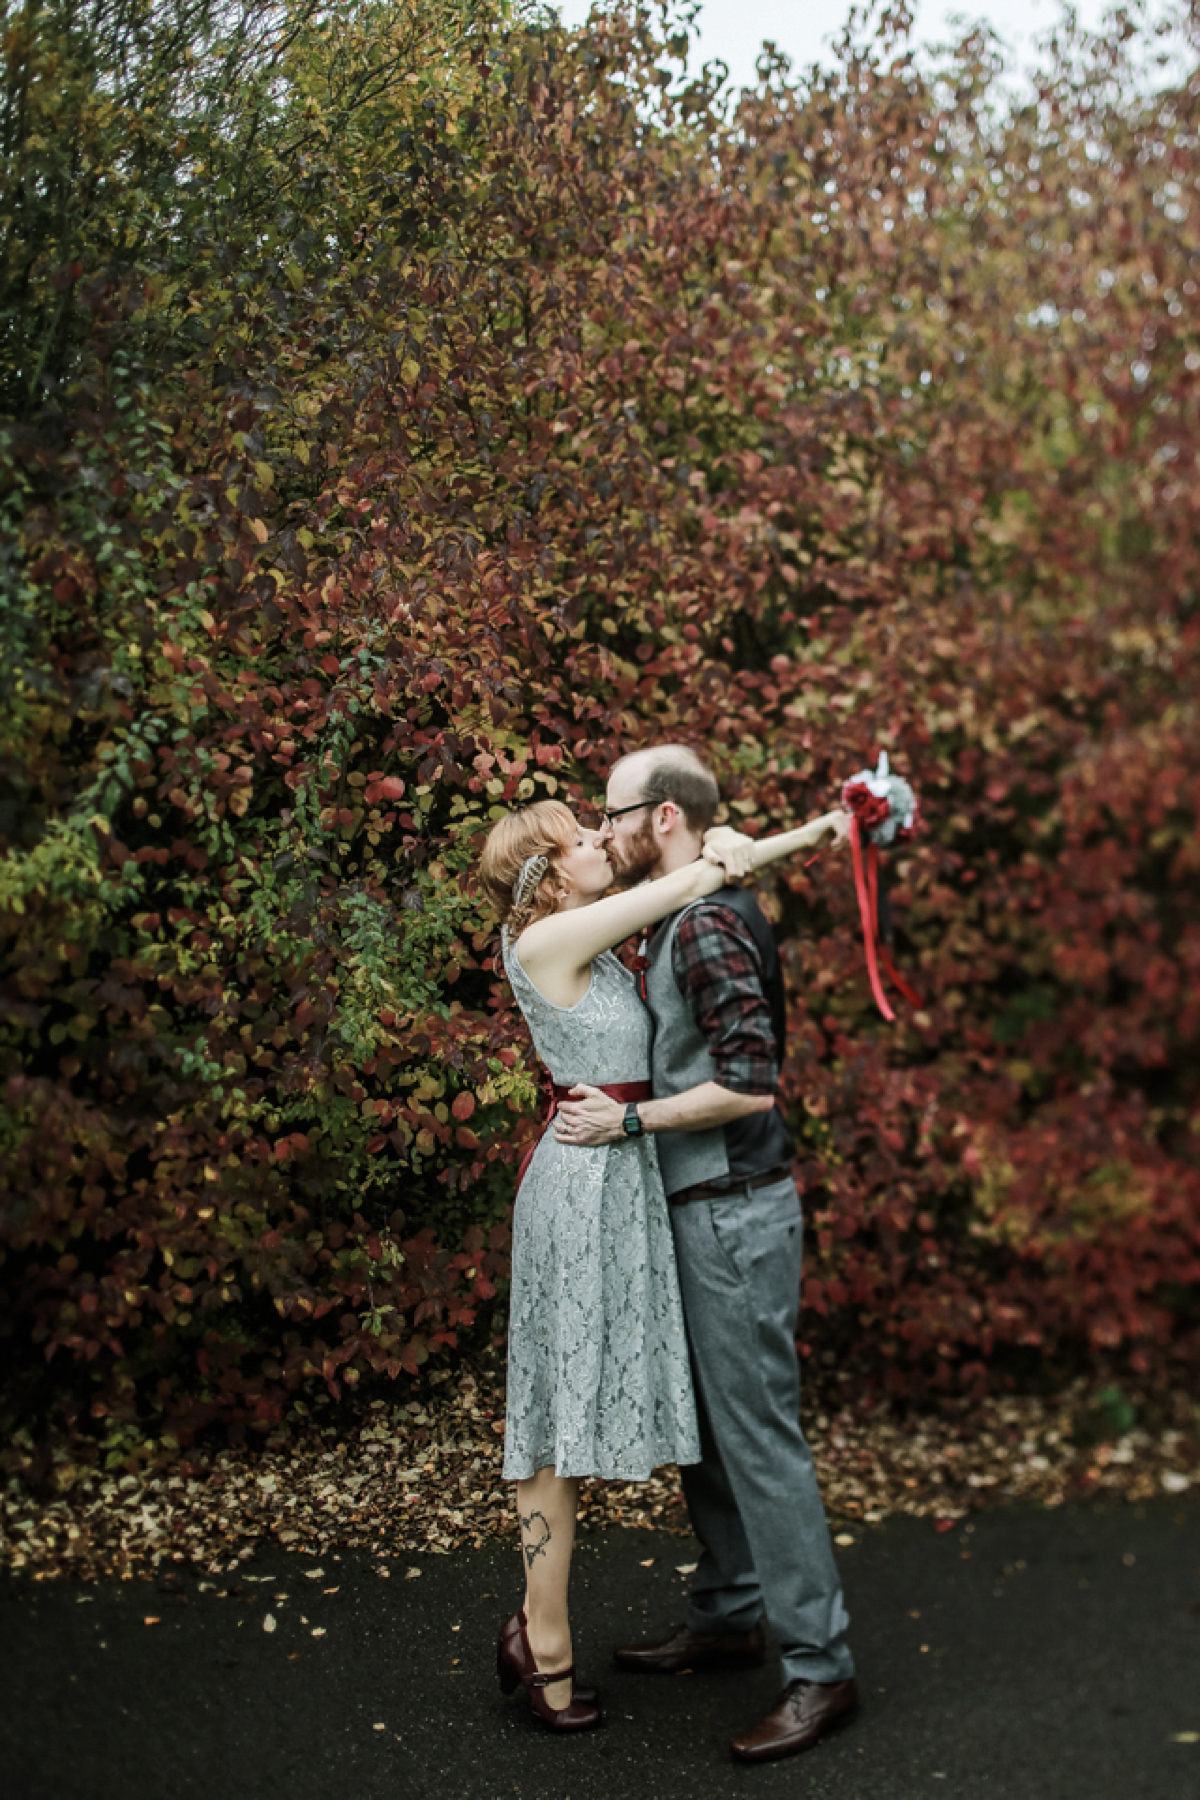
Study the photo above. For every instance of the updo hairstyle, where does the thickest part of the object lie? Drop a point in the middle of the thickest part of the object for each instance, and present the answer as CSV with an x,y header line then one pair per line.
x,y
548,828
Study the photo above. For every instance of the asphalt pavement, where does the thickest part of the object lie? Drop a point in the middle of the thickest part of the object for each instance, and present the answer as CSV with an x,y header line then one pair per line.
x,y
1030,1656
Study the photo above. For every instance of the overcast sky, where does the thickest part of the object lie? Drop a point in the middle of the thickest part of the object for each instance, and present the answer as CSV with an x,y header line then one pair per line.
x,y
735,29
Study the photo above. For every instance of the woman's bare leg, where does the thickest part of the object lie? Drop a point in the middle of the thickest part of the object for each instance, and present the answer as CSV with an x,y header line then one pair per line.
x,y
546,1510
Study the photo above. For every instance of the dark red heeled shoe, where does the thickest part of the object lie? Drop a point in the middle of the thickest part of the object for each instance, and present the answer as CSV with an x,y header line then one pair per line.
x,y
514,1659
577,1715
516,1665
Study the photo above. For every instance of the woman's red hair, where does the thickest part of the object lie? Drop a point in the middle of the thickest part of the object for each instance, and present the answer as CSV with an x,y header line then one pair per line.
x,y
545,829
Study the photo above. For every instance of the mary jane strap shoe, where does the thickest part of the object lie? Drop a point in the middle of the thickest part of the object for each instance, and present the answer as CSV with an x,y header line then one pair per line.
x,y
577,1715
516,1666
514,1659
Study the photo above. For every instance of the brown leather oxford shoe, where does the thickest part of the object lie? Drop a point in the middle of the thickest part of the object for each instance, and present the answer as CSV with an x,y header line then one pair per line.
x,y
688,1649
803,1714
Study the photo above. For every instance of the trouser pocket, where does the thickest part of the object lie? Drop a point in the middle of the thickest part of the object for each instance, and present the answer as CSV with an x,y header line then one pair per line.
x,y
752,1227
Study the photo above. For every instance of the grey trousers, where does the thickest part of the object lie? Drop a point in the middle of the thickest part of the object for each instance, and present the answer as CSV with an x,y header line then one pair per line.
x,y
753,1501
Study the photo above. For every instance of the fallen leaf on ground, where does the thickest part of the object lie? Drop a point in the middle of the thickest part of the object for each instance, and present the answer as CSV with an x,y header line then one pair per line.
x,y
269,1622
844,1539
649,1563
1187,1737
686,1568
151,1619
318,1631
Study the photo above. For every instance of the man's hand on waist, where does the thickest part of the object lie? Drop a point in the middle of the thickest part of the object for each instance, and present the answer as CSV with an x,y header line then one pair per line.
x,y
595,1118
590,1116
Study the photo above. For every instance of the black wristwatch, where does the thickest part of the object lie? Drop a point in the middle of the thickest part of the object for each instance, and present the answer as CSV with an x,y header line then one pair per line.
x,y
633,1124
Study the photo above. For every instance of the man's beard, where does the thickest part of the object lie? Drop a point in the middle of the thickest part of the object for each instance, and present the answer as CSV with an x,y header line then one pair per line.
x,y
639,859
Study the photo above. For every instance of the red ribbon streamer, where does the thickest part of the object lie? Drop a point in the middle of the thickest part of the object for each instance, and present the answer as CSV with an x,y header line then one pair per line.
x,y
866,886
624,1091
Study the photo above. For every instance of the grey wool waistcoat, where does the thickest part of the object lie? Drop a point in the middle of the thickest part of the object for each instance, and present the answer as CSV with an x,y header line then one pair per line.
x,y
681,1059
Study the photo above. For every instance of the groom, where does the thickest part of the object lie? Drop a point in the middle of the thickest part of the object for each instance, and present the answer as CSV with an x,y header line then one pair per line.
x,y
714,986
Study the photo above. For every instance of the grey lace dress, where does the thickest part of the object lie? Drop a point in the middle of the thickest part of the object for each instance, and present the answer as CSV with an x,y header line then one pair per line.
x,y
598,1375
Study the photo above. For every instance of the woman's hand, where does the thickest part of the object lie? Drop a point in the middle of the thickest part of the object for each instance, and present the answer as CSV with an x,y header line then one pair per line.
x,y
731,850
590,1116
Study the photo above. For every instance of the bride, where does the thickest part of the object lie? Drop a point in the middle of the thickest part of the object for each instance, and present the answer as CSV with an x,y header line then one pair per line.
x,y
598,1374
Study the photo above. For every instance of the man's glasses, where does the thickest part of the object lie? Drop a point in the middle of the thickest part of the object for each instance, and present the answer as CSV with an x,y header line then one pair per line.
x,y
618,812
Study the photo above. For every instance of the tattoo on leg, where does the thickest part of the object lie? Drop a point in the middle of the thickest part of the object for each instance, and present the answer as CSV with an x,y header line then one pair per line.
x,y
534,1546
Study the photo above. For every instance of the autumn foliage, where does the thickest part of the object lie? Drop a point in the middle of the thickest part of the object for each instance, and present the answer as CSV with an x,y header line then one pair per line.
x,y
423,416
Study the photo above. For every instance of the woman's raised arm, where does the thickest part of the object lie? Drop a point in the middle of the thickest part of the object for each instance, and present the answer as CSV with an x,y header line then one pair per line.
x,y
572,939
748,854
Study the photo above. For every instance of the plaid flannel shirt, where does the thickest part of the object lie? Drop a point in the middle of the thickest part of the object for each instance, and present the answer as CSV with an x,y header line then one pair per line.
x,y
715,961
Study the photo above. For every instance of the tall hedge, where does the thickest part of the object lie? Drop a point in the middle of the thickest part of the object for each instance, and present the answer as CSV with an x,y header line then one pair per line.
x,y
411,410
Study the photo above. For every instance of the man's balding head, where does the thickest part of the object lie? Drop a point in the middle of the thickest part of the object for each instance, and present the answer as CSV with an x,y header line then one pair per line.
x,y
671,772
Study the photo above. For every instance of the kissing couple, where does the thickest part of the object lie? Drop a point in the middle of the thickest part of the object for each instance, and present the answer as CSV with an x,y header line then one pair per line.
x,y
657,1240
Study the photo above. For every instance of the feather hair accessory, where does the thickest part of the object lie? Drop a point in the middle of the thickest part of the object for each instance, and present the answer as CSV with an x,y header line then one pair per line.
x,y
531,872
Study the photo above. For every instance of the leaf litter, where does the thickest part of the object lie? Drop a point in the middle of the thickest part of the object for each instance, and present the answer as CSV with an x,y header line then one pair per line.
x,y
424,1477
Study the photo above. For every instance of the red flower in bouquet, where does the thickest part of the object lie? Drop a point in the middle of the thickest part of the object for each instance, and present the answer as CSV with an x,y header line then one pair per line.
x,y
869,809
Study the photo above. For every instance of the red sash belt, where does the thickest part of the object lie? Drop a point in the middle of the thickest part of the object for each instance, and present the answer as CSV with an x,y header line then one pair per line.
x,y
624,1091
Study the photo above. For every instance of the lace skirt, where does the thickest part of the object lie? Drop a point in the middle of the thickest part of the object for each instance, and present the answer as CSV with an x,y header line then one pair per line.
x,y
599,1381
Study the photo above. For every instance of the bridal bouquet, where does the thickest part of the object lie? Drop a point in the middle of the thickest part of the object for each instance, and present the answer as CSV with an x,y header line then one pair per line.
x,y
883,812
